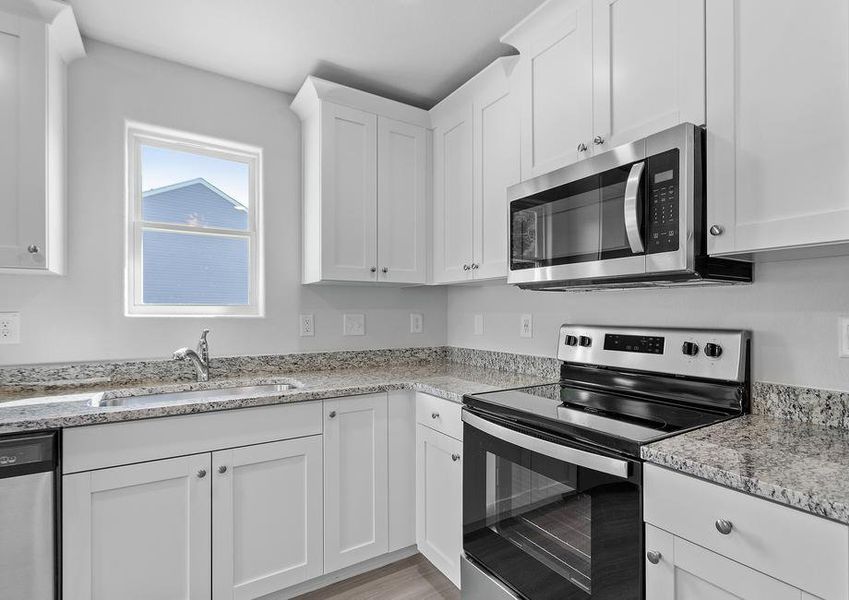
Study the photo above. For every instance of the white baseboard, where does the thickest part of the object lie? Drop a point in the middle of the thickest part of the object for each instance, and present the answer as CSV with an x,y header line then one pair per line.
x,y
341,574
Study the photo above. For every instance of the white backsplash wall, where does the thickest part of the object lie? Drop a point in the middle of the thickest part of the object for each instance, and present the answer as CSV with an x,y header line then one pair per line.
x,y
80,316
792,309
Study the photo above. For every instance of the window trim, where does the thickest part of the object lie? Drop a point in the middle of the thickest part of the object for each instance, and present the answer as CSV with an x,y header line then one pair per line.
x,y
139,134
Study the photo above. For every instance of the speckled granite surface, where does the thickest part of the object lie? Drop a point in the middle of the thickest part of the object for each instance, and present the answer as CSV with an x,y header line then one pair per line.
x,y
440,378
803,465
807,405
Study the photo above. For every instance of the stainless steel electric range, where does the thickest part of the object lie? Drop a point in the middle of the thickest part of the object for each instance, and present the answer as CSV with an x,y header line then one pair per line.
x,y
552,479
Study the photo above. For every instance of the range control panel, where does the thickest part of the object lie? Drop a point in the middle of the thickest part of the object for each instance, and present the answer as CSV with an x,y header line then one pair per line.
x,y
711,354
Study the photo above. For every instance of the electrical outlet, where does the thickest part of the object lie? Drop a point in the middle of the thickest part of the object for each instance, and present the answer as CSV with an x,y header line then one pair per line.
x,y
353,324
843,336
478,324
416,322
10,328
307,325
526,326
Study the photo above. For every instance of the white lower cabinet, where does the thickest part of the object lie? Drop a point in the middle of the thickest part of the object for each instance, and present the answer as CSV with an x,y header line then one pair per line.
x,y
708,542
356,492
685,571
139,532
439,500
266,517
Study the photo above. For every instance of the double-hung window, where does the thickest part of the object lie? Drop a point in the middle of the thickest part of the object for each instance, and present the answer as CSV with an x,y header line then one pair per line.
x,y
194,208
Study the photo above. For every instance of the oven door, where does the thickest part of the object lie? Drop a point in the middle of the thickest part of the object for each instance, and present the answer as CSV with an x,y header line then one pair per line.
x,y
551,521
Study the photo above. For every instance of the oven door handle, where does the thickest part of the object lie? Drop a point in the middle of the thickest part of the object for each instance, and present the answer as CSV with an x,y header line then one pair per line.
x,y
632,218
582,458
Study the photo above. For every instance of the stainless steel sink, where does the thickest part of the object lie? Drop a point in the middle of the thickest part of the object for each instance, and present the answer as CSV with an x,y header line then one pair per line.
x,y
248,391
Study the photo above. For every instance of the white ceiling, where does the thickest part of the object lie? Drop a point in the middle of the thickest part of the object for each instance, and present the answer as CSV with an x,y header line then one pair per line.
x,y
416,51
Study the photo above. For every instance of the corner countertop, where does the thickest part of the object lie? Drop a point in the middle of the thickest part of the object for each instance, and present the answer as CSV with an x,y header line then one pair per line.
x,y
447,380
801,465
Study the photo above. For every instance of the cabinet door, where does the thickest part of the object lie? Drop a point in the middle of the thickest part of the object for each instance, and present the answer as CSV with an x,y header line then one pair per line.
x,y
778,124
556,82
267,520
348,194
686,571
497,166
649,67
439,500
402,197
140,532
453,202
23,153
355,480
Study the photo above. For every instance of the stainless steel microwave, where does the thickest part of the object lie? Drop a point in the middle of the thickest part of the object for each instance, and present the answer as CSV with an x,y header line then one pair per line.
x,y
632,216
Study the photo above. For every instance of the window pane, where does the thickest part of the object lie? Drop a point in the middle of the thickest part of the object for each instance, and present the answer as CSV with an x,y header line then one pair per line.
x,y
194,189
187,268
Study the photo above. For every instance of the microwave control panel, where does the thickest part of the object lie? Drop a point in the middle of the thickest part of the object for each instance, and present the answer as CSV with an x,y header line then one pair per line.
x,y
662,231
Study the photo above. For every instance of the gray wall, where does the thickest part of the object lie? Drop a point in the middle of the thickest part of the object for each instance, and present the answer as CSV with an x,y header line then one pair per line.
x,y
792,310
80,316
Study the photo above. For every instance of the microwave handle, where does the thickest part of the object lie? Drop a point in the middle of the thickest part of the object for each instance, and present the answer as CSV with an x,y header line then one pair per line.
x,y
589,460
632,219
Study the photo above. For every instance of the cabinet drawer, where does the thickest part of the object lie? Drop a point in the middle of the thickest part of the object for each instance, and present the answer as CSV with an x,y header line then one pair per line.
x,y
439,414
805,551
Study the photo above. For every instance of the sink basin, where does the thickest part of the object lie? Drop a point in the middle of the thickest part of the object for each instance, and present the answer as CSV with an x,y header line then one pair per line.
x,y
247,391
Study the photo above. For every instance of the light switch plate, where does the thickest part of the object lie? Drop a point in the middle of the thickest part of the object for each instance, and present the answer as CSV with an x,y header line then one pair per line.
x,y
306,325
843,336
10,328
353,324
526,326
416,322
478,324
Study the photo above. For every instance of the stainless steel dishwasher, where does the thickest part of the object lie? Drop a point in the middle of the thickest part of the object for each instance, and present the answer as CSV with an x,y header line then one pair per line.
x,y
28,517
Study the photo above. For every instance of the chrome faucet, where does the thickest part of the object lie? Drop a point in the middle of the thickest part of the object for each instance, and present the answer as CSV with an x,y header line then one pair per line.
x,y
199,358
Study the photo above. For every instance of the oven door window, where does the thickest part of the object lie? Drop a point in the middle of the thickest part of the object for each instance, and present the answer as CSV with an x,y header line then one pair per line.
x,y
578,222
550,529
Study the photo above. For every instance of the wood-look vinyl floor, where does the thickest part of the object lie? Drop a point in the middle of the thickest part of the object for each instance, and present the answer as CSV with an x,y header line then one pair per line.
x,y
413,578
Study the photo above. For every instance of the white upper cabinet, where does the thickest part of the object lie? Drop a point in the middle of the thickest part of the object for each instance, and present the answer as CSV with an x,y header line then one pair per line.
x,y
777,126
35,48
365,169
356,485
476,158
402,167
554,84
453,209
648,67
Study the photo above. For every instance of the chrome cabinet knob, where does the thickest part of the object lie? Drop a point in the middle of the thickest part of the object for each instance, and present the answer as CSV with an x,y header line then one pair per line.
x,y
332,414
201,473
723,526
653,556
466,267
716,230
455,457
384,270
434,415
222,469
373,269
475,266
582,147
33,249
598,140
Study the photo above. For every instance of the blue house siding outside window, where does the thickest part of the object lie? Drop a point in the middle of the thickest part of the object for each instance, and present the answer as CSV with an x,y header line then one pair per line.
x,y
194,268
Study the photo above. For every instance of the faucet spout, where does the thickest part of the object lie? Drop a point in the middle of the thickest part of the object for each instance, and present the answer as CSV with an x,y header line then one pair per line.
x,y
199,358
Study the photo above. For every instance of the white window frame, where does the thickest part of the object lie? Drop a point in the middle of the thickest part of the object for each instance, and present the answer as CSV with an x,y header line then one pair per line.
x,y
137,135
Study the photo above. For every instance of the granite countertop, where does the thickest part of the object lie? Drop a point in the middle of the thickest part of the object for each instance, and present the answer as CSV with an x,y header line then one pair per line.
x,y
802,465
449,380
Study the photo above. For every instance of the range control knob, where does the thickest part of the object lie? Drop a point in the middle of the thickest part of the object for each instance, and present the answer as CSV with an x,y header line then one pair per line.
x,y
690,348
571,340
713,350
585,341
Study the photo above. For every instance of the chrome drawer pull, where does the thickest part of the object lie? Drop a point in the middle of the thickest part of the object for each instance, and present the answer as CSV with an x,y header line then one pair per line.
x,y
434,415
724,527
